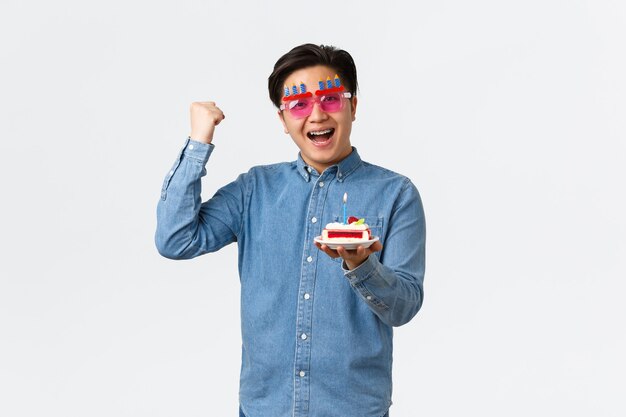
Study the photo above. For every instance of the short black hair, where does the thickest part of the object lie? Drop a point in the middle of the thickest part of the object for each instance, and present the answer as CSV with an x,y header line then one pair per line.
x,y
309,55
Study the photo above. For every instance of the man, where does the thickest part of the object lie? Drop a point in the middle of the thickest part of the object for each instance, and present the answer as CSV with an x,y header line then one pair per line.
x,y
316,323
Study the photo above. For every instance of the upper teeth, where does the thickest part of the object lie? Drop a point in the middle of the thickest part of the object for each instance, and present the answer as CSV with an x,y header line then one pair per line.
x,y
321,132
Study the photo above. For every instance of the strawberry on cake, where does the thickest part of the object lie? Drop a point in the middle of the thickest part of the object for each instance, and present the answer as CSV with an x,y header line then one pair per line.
x,y
355,231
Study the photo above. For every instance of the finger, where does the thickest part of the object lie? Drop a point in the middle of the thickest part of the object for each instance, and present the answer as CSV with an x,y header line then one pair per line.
x,y
328,251
218,120
346,254
353,258
218,116
376,246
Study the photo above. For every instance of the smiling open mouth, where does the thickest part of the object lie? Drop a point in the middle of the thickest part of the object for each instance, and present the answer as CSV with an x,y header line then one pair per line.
x,y
321,135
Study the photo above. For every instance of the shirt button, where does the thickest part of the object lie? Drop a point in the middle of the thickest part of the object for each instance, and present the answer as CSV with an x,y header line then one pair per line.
x,y
309,259
307,296
304,336
321,183
369,297
340,175
302,373
314,220
191,147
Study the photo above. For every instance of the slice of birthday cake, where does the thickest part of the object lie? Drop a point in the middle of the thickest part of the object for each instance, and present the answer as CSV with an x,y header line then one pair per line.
x,y
356,230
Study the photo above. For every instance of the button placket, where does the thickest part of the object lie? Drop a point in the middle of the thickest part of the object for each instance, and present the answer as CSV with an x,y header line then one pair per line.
x,y
305,306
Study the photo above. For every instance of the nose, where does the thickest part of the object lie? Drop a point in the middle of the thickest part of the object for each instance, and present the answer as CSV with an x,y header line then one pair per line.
x,y
317,114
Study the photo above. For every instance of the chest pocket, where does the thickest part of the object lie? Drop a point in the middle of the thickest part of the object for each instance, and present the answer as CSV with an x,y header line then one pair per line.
x,y
376,224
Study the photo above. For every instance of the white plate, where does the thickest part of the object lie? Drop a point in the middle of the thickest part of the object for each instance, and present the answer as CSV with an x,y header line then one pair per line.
x,y
348,245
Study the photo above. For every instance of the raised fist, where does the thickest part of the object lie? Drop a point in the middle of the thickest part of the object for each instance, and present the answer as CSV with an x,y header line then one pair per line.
x,y
205,115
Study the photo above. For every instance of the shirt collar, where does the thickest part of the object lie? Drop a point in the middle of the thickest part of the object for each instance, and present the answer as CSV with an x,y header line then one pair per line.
x,y
344,168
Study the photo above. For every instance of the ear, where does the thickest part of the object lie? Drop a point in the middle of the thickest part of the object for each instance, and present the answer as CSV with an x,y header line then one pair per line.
x,y
353,111
282,120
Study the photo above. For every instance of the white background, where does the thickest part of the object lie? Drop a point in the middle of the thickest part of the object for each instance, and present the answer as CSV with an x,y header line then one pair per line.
x,y
508,116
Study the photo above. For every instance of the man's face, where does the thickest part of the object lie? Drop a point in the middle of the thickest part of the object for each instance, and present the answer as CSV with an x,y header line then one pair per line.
x,y
319,151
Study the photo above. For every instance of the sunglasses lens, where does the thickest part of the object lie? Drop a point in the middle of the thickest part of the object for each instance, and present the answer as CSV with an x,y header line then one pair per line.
x,y
331,102
301,107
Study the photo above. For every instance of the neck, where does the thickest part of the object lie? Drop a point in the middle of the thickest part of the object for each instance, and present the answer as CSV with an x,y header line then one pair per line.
x,y
321,167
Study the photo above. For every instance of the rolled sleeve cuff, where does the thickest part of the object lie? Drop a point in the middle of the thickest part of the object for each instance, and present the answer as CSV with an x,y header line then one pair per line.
x,y
198,151
359,276
361,272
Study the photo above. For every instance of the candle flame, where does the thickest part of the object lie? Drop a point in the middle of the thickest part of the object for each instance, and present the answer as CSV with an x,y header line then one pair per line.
x,y
345,197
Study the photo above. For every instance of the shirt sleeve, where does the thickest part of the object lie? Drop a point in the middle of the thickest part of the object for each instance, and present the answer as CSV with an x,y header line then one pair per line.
x,y
186,227
392,286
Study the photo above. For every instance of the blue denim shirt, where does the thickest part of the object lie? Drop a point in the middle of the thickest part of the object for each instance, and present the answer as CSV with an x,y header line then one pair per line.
x,y
317,338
